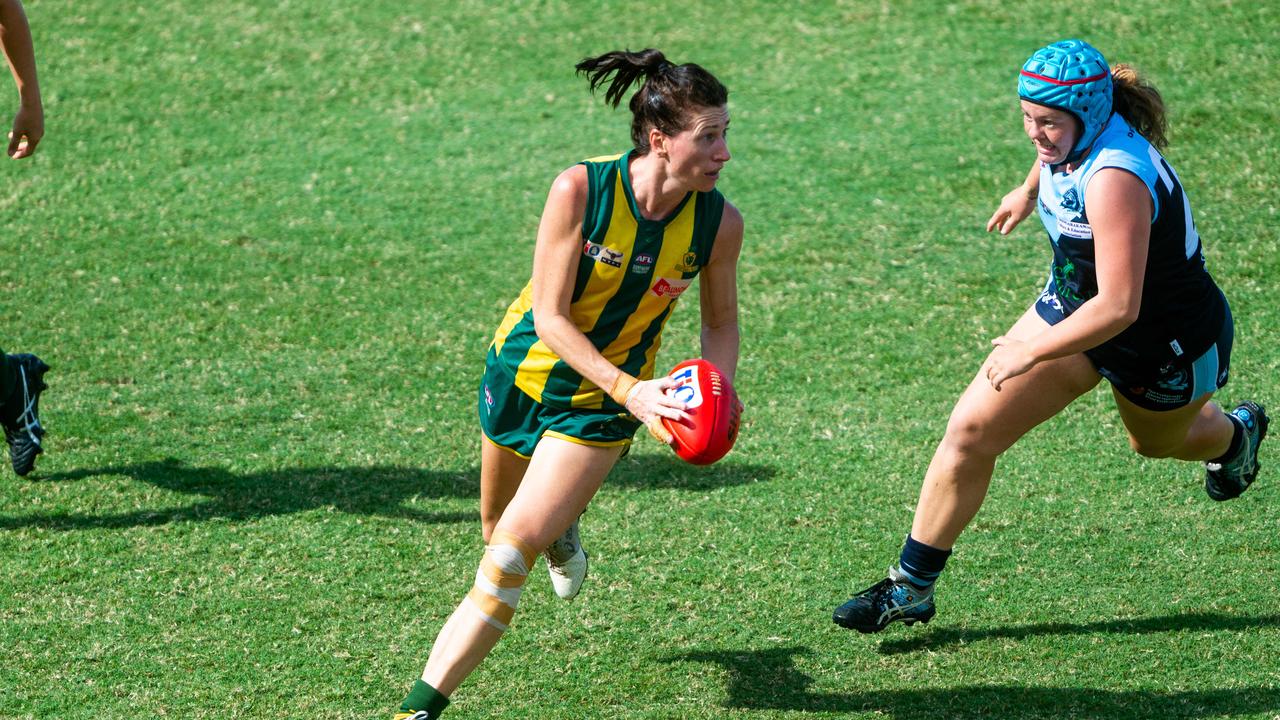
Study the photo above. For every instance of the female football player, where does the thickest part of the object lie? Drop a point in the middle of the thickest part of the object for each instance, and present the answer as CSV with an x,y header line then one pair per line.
x,y
1128,299
568,377
22,375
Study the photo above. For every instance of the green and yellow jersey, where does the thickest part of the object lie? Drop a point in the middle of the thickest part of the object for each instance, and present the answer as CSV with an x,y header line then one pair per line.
x,y
629,276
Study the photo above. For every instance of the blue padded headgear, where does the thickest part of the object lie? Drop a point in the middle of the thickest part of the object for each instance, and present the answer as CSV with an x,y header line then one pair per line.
x,y
1073,77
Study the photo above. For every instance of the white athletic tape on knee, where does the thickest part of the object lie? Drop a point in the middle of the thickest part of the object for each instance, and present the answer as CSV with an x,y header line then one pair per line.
x,y
500,579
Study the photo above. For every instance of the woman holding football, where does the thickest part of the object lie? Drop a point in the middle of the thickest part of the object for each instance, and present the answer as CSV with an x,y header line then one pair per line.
x,y
568,377
1128,299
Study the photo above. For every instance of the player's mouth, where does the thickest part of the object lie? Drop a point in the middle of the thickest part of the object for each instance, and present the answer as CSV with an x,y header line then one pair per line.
x,y
1046,149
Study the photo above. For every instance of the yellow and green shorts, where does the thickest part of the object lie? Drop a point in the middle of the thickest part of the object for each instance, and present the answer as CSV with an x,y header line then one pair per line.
x,y
514,421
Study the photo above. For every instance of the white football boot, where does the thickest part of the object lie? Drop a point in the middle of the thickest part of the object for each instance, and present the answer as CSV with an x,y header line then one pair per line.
x,y
567,563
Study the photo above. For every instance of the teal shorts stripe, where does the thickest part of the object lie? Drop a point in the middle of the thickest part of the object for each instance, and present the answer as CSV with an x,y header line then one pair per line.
x,y
512,420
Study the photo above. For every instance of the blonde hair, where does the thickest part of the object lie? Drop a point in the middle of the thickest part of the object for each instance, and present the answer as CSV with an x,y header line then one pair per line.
x,y
1140,104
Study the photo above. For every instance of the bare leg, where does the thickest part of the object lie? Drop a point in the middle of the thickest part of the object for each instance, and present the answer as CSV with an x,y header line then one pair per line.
x,y
561,479
500,474
985,423
1199,431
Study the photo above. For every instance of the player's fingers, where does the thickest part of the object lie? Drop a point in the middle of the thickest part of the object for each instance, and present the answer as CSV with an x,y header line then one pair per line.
x,y
989,371
32,141
995,219
671,401
14,139
999,379
1009,224
659,432
672,413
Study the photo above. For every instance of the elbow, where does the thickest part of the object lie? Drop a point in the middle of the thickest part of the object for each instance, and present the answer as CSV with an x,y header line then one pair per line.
x,y
727,332
554,329
719,325
545,325
1118,310
1125,313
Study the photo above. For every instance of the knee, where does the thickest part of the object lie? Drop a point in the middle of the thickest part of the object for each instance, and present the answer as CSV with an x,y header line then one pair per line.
x,y
972,437
500,579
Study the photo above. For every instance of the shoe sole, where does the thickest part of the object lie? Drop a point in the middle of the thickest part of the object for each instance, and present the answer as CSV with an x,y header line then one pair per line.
x,y
869,629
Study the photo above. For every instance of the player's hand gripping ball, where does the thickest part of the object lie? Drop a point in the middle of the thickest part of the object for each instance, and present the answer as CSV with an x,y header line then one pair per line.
x,y
713,409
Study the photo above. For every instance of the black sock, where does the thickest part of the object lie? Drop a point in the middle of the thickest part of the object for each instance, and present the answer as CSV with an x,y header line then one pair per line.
x,y
1237,439
922,564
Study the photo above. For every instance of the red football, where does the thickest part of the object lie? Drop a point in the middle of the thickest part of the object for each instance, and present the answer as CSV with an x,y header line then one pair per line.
x,y
713,409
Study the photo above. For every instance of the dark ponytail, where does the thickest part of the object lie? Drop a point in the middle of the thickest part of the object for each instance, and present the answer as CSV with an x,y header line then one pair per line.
x,y
1140,104
668,93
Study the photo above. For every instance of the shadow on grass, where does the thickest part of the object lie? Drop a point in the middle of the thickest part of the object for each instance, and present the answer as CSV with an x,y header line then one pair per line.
x,y
769,680
938,639
658,472
376,491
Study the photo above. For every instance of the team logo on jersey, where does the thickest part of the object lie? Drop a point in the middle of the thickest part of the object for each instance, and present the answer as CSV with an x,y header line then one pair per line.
x,y
670,287
1071,202
642,264
488,396
1071,221
603,254
688,263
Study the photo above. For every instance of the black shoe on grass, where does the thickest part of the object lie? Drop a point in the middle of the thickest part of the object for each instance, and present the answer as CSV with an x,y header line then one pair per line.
x,y
21,412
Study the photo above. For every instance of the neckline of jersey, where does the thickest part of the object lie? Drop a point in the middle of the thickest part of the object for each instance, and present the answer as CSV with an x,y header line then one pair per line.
x,y
625,169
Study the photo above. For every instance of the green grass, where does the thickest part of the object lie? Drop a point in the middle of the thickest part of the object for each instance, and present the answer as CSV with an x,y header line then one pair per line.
x,y
264,246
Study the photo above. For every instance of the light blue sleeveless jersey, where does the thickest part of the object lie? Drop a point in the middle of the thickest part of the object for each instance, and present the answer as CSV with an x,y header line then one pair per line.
x,y
1182,309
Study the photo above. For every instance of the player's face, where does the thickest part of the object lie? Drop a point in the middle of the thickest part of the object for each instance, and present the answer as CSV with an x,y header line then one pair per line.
x,y
1052,131
697,153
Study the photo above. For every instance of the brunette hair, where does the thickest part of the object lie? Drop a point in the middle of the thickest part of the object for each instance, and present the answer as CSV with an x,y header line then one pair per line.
x,y
1140,104
666,95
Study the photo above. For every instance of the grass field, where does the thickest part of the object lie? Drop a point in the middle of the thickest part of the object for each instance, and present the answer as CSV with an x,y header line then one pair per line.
x,y
265,244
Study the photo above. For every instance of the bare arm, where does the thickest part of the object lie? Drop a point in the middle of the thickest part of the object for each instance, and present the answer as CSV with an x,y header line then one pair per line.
x,y
1017,204
719,295
555,264
1120,210
15,39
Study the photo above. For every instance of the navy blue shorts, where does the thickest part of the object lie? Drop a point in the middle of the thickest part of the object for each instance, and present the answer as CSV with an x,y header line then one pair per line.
x,y
1161,384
